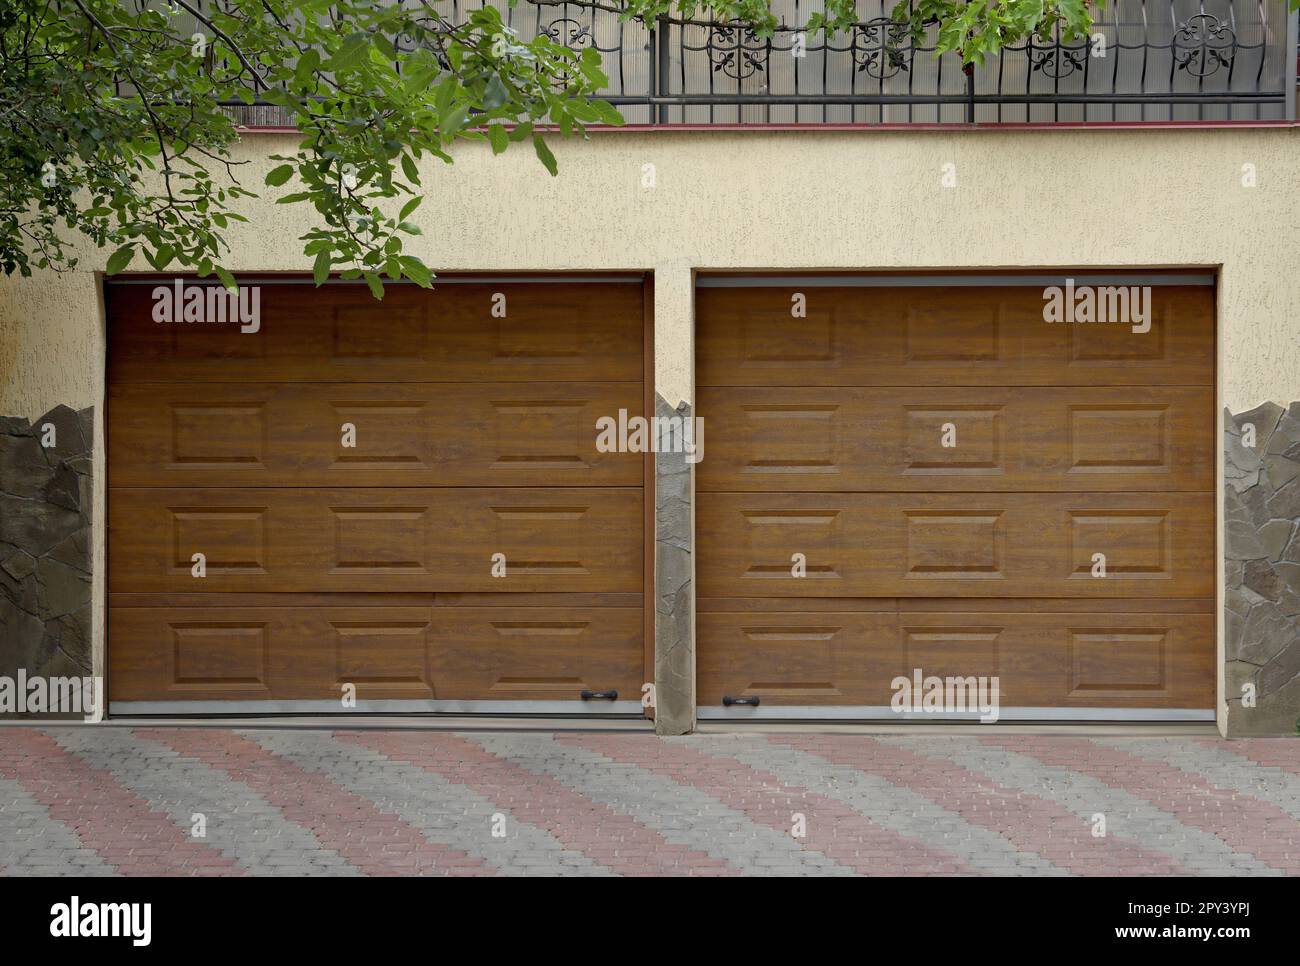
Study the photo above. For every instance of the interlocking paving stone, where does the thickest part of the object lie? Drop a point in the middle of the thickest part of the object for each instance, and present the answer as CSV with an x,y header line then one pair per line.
x,y
893,806
680,814
30,837
444,810
103,800
238,821
1126,815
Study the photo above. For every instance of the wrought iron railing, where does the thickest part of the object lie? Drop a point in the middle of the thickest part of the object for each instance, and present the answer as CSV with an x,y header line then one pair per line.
x,y
1145,61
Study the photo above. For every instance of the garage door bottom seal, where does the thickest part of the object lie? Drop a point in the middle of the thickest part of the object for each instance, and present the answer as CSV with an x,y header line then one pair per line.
x,y
885,713
565,708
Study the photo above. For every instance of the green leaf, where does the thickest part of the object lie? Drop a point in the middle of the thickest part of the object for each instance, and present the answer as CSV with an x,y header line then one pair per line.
x,y
409,207
608,113
119,259
227,279
416,270
320,271
308,64
544,153
496,93
453,121
410,169
351,54
162,257
443,95
376,284
278,176
499,138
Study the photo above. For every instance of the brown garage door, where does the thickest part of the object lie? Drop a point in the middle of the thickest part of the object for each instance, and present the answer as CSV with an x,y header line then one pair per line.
x,y
949,465
350,472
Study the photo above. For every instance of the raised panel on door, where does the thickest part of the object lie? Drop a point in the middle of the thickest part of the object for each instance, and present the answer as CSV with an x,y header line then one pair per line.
x,y
390,539
537,654
341,333
956,336
955,545
794,657
1040,659
974,439
502,434
294,652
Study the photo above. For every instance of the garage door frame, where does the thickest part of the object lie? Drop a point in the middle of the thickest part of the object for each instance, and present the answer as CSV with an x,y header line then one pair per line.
x,y
929,279
627,706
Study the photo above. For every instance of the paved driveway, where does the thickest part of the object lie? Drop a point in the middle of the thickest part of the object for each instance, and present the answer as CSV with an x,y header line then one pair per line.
x,y
207,801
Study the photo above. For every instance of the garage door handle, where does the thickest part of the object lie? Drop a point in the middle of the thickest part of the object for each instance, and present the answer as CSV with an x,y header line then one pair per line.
x,y
751,701
610,695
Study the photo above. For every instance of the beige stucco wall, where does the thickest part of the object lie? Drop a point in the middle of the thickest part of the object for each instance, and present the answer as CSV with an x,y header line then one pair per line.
x,y
799,200
788,200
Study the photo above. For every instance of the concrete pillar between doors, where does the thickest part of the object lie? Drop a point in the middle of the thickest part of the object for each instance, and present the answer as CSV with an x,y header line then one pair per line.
x,y
674,536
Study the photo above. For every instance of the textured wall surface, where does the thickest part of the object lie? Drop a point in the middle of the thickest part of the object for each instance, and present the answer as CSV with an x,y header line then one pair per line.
x,y
674,201
1262,531
46,505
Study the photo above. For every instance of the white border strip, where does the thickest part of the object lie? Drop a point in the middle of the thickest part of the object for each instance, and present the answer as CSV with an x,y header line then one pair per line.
x,y
566,708
945,281
885,713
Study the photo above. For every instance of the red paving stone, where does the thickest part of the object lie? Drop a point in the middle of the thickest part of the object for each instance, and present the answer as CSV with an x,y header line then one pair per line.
x,y
833,829
1030,823
135,836
108,818
616,841
375,841
1283,753
1245,823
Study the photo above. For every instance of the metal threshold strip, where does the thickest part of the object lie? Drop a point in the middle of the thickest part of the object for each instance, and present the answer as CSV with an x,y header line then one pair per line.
x,y
886,713
333,707
936,280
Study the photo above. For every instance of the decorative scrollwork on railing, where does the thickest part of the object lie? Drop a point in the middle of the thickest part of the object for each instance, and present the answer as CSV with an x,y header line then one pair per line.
x,y
568,32
1204,44
1059,62
737,52
881,48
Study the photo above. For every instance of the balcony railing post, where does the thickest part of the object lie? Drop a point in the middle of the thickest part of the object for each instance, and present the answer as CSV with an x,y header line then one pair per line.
x,y
969,71
652,75
664,66
1292,56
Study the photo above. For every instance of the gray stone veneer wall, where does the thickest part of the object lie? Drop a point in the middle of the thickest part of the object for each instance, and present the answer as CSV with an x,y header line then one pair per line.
x,y
1262,555
45,543
674,587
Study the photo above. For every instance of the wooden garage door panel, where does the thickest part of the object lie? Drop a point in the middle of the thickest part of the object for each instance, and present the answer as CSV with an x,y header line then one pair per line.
x,y
846,439
960,336
1109,660
390,539
496,654
502,434
218,652
955,545
339,333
